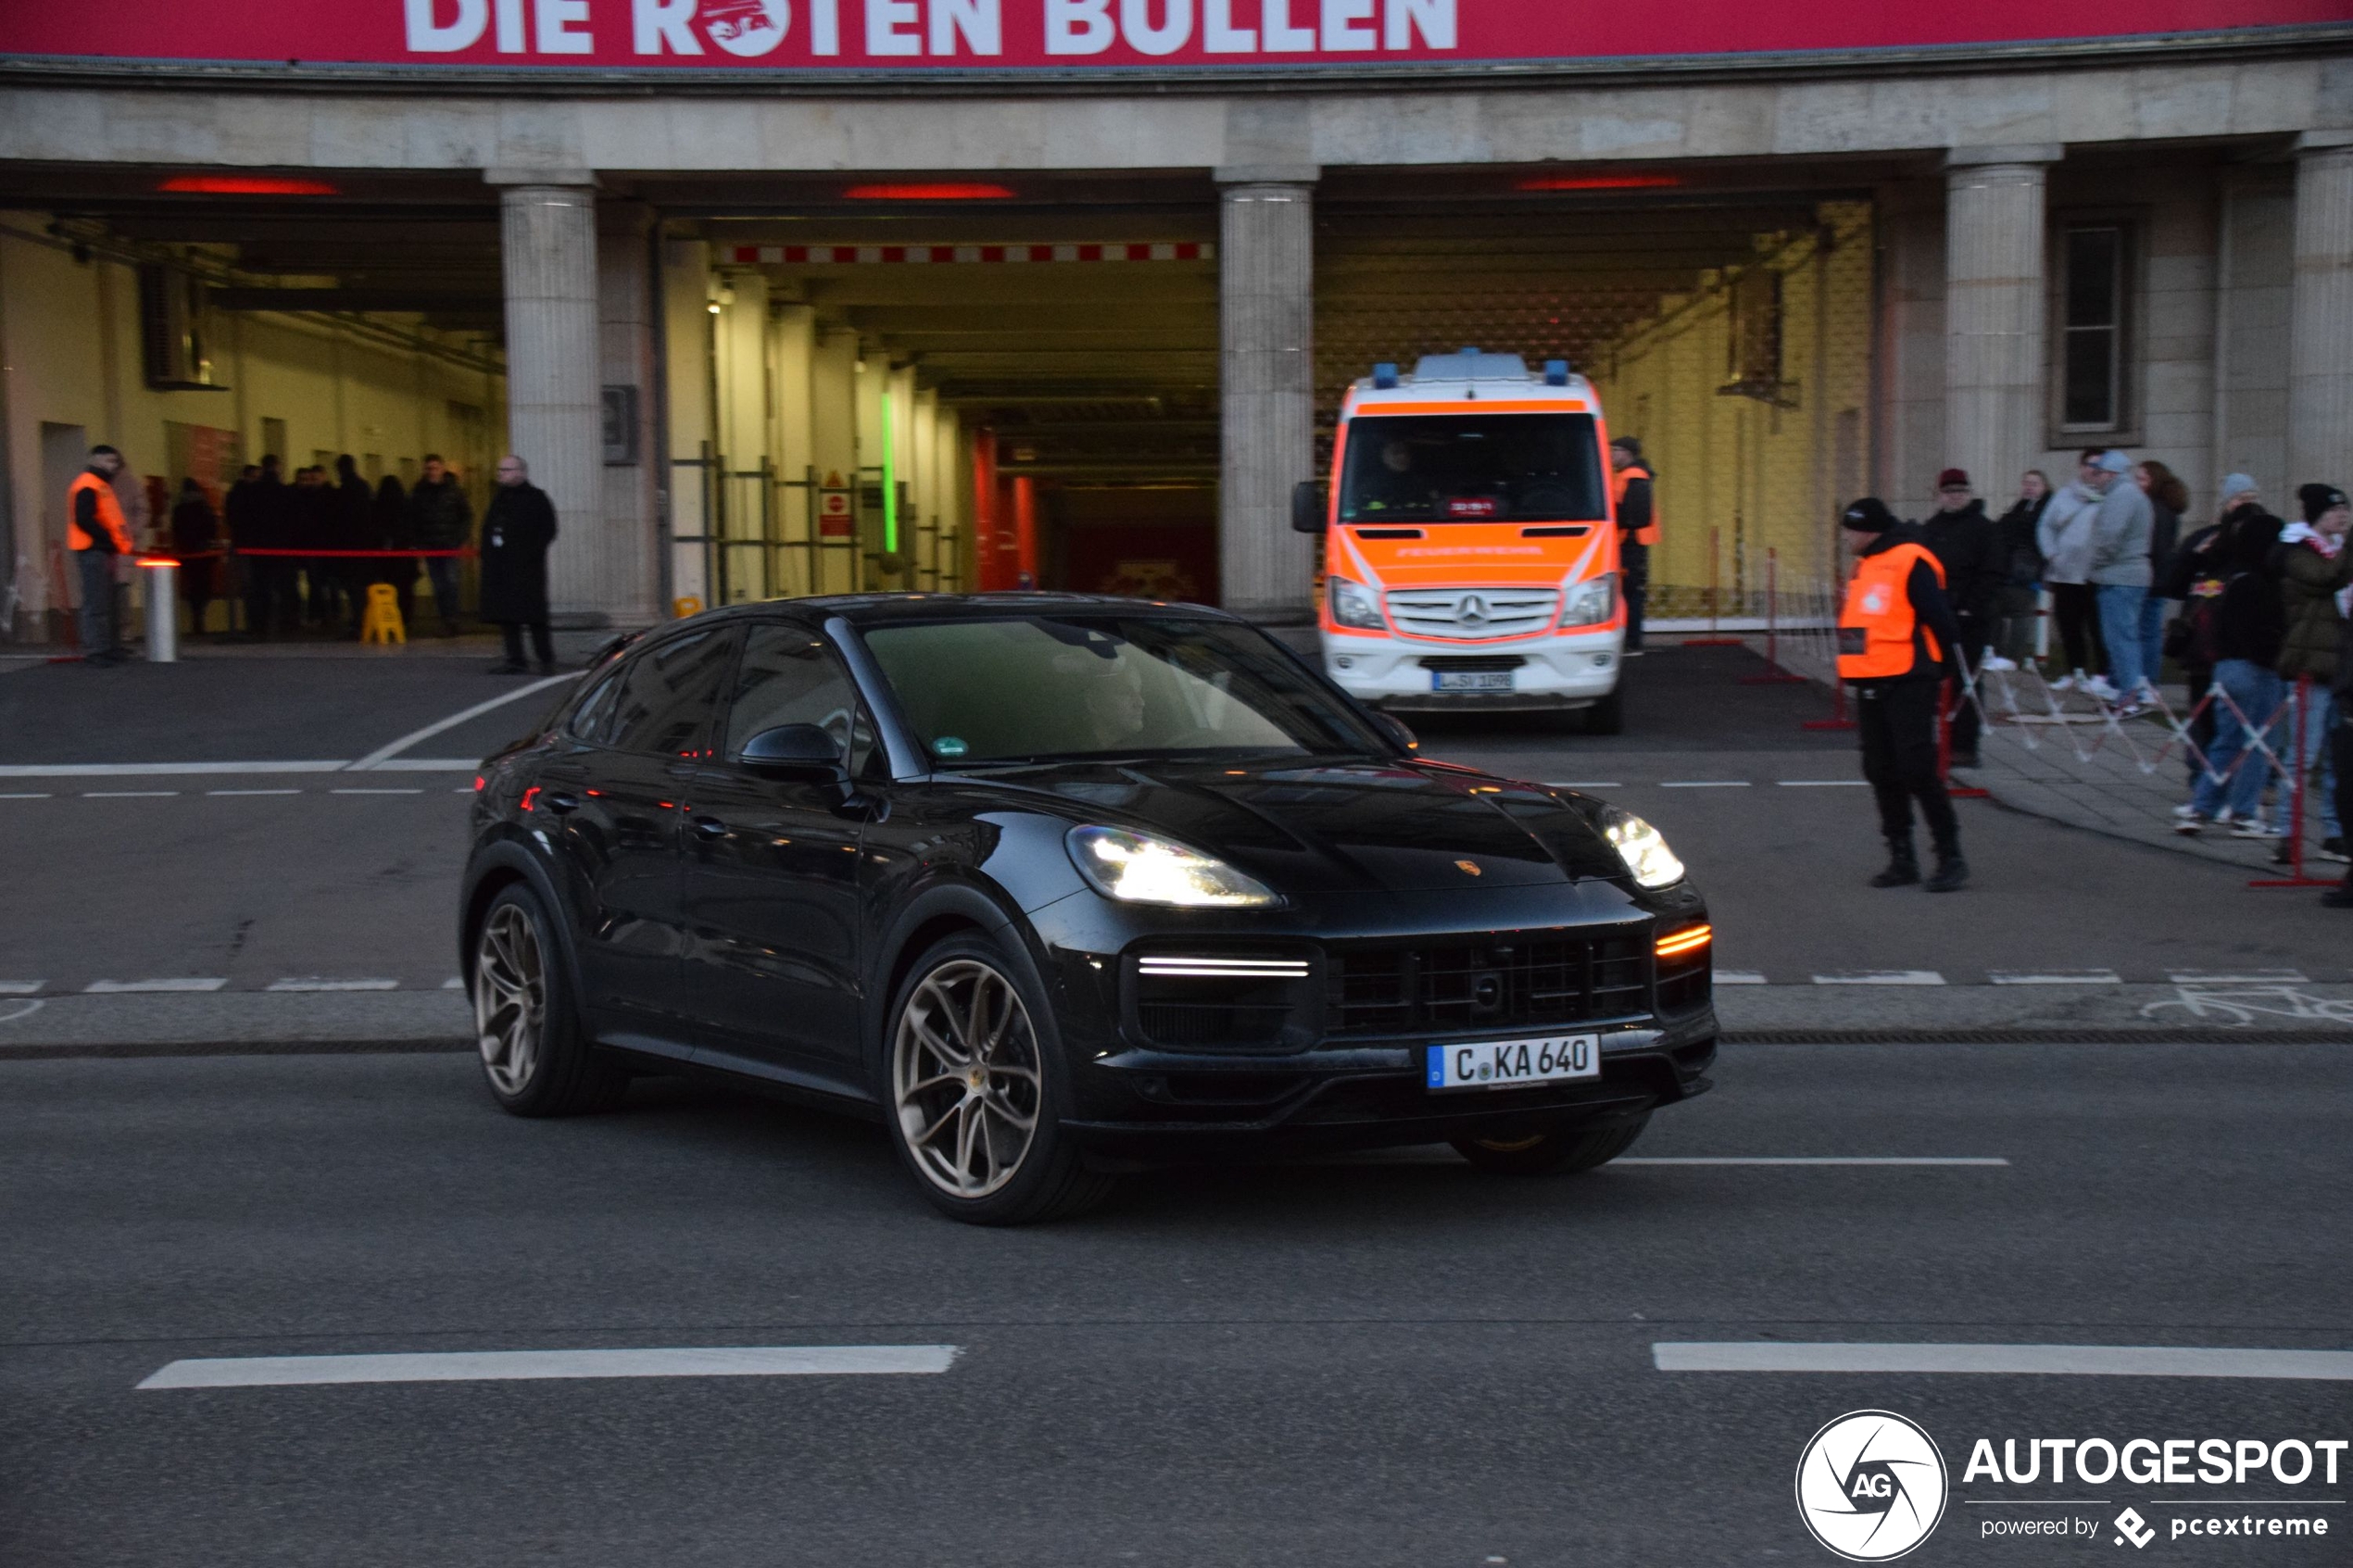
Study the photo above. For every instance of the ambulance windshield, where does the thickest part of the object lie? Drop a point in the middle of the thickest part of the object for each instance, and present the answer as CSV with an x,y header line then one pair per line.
x,y
1472,468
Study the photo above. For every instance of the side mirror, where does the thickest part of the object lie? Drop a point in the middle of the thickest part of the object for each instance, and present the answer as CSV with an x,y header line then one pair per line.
x,y
1307,506
794,751
1395,729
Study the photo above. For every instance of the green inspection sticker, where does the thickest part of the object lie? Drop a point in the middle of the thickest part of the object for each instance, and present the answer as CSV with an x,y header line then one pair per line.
x,y
950,746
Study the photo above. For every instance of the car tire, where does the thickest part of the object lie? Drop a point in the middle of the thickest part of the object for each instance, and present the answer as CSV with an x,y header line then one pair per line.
x,y
1555,1151
1607,717
975,1089
535,1059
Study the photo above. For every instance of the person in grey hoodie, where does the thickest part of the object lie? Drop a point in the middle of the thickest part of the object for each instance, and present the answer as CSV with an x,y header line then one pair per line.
x,y
2064,532
2121,573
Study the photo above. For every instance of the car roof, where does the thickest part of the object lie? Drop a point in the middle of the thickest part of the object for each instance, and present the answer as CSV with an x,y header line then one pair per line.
x,y
870,610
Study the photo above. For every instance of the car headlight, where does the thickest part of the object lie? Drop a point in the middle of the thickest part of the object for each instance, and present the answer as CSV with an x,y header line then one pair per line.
x,y
1642,848
1588,604
1136,868
1354,604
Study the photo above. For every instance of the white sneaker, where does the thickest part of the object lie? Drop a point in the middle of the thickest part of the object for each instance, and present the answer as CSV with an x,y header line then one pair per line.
x,y
2068,683
1995,661
2186,810
2098,686
2255,827
2145,692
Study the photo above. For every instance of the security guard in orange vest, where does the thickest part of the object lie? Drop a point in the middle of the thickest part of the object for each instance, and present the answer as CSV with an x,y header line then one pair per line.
x,y
98,537
1631,490
1896,636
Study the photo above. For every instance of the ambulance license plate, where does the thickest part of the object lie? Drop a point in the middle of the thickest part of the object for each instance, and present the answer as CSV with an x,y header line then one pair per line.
x,y
1470,680
1506,1065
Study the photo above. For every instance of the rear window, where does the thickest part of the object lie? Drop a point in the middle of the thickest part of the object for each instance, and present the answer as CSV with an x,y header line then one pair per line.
x,y
1472,468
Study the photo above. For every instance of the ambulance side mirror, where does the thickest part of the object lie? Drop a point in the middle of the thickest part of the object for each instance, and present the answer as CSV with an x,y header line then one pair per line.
x,y
1307,506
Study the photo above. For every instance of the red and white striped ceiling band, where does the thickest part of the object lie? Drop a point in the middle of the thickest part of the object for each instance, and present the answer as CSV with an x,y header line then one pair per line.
x,y
835,256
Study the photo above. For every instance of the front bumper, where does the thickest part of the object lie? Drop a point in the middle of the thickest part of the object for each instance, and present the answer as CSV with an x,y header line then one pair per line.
x,y
1574,670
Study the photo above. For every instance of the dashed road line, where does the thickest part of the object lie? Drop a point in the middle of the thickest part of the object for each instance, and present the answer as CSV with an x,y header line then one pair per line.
x,y
453,984
125,987
2081,1361
2055,977
2236,977
156,770
1824,783
229,791
1813,1159
501,1366
1706,784
26,795
1582,783
1738,977
21,987
1882,977
375,792
318,985
129,793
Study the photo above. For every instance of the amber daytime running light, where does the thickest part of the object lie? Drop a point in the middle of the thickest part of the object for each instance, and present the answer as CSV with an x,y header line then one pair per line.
x,y
1675,944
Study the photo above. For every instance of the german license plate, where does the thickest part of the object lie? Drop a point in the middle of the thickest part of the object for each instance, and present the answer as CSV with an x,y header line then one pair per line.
x,y
1503,1064
1470,680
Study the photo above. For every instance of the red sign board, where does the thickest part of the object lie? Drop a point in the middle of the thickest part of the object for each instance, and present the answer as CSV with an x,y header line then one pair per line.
x,y
866,36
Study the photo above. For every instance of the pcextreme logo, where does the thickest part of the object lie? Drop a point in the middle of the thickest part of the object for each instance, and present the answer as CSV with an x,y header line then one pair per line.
x,y
1870,1486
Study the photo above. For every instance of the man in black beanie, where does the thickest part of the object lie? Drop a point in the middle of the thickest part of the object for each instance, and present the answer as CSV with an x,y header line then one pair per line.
x,y
1895,636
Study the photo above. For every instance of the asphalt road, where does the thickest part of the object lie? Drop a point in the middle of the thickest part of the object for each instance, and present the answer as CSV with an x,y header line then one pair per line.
x,y
1384,1362
353,874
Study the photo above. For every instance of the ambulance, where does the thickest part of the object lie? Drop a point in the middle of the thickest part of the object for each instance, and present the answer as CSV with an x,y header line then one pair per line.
x,y
1470,550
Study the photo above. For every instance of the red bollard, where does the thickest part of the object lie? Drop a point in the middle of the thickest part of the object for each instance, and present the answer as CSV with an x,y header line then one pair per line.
x,y
1715,638
1774,674
2296,877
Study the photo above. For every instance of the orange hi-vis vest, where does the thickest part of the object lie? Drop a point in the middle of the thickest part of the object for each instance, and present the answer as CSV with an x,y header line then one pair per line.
x,y
109,514
1648,532
1875,628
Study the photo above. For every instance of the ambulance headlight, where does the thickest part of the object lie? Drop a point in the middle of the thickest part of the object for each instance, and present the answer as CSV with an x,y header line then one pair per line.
x,y
1590,604
1354,604
1642,848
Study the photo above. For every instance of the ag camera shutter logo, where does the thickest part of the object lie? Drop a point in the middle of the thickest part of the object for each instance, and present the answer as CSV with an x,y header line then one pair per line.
x,y
1870,1486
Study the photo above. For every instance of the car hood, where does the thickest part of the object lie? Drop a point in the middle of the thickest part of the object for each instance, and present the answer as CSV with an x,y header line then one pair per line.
x,y
1399,827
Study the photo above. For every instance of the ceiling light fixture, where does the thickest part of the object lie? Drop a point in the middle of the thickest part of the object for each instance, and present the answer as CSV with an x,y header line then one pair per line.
x,y
245,185
1599,182
946,191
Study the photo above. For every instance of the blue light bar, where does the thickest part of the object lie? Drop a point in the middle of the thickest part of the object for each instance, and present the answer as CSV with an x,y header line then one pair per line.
x,y
1384,376
1555,372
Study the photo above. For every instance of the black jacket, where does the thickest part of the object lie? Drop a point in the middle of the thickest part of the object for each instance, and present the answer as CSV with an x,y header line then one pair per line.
x,y
517,528
2021,548
1970,549
440,518
1932,611
1634,506
2251,622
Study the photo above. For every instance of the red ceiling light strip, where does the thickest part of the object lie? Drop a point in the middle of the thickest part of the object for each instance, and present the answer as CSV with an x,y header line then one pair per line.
x,y
1600,182
841,255
245,185
935,192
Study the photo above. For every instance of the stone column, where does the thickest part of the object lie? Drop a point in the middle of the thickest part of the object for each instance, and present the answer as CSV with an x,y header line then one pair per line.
x,y
547,247
1995,364
2320,372
1267,368
632,491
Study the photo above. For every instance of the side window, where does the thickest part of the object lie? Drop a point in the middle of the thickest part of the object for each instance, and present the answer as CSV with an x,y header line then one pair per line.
x,y
667,694
788,676
593,717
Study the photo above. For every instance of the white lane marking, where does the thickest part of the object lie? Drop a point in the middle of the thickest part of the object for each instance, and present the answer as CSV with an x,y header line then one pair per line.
x,y
2055,977
453,984
21,987
384,754
1882,977
1811,1159
25,794
474,1366
375,792
229,791
2236,977
125,987
1704,784
156,770
429,765
1824,783
2081,1361
25,1008
1738,977
129,793
1582,783
301,984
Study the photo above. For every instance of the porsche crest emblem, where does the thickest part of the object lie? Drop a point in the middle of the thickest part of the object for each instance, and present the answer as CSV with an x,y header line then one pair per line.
x,y
1468,868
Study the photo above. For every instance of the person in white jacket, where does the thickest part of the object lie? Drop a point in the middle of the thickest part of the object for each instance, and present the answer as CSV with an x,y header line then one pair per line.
x,y
2064,534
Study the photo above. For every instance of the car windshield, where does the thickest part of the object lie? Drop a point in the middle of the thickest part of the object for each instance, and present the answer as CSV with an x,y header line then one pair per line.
x,y
1034,688
1471,468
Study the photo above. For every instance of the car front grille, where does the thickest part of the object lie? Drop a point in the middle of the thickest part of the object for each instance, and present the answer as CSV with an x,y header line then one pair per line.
x,y
1511,979
1462,614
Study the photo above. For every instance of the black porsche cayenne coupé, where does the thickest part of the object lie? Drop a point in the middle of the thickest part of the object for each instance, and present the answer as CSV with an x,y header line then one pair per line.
x,y
1060,885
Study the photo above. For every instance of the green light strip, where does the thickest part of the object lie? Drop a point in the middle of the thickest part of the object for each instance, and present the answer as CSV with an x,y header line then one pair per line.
x,y
890,481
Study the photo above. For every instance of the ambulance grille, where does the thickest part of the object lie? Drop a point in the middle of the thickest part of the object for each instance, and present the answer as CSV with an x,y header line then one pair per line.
x,y
1464,613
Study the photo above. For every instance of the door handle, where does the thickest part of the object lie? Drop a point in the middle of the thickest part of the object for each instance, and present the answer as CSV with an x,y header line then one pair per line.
x,y
710,827
561,803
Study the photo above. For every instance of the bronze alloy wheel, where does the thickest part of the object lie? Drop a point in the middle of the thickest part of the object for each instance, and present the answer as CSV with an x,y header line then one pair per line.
x,y
964,1077
510,999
